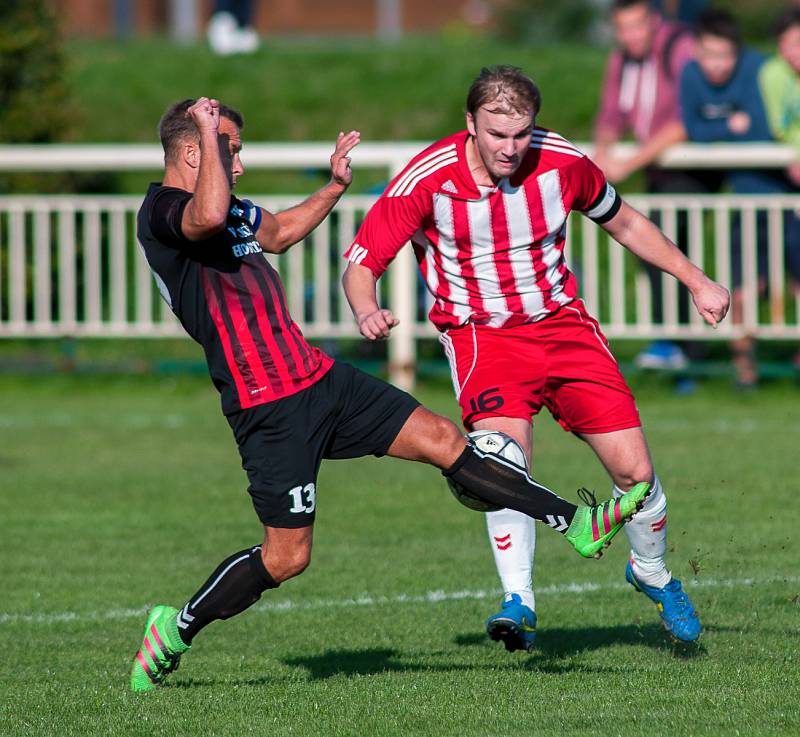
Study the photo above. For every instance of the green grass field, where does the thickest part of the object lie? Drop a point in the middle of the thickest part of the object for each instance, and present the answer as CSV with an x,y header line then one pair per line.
x,y
122,492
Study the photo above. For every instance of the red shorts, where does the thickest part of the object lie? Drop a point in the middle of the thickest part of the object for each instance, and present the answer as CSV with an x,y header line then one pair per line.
x,y
561,362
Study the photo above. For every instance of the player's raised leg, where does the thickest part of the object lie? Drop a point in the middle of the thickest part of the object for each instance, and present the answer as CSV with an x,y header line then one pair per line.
x,y
235,585
512,536
433,439
626,457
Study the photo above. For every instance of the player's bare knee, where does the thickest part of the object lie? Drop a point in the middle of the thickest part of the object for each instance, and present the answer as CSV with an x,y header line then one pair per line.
x,y
446,436
642,471
448,431
285,564
297,564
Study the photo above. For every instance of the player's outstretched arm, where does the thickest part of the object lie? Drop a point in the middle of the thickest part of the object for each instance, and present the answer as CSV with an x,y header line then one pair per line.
x,y
360,287
279,232
641,236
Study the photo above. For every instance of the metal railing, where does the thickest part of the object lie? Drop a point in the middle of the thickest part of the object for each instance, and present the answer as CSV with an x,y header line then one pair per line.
x,y
71,266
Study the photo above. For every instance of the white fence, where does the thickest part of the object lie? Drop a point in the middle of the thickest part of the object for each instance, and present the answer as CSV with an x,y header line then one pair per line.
x,y
71,266
390,155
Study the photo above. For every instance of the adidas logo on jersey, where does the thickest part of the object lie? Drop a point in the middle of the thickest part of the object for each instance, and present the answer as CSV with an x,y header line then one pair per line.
x,y
448,186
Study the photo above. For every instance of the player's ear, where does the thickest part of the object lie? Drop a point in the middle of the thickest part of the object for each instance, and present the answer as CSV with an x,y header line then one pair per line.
x,y
471,124
191,154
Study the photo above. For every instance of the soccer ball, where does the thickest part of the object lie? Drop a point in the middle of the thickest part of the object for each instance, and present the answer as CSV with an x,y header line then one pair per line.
x,y
494,443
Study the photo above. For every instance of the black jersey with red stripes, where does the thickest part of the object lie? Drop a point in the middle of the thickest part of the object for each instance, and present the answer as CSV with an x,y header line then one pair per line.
x,y
230,300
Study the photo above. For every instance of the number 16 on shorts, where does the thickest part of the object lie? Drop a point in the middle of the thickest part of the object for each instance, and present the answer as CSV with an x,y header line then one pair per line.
x,y
487,401
304,499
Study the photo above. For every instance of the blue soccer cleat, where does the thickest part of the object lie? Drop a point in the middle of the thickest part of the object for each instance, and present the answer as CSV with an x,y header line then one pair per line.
x,y
674,607
514,624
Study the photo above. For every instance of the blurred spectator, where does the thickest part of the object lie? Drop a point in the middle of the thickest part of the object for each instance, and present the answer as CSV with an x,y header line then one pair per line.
x,y
780,88
780,85
230,30
721,101
640,95
686,11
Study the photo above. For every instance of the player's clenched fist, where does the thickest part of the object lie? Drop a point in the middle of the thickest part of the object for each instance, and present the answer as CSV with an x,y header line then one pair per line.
x,y
205,113
712,301
378,324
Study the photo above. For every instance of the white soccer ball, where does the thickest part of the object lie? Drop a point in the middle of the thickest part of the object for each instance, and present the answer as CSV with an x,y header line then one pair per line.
x,y
495,443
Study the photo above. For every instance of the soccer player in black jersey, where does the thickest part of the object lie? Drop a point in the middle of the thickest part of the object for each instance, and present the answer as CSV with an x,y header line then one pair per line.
x,y
288,404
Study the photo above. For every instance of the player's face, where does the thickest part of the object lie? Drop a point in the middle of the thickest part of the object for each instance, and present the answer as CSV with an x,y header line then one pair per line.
x,y
502,139
635,29
717,58
789,47
230,144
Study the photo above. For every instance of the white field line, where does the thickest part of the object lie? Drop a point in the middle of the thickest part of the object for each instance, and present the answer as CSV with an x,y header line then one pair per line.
x,y
431,597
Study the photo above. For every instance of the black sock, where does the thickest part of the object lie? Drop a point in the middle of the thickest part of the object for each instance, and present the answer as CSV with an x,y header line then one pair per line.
x,y
490,479
235,585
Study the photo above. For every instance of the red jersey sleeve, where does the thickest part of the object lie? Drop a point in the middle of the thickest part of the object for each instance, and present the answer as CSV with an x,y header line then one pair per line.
x,y
591,193
388,226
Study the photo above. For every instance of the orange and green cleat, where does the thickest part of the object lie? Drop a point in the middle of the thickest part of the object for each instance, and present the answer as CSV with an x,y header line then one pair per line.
x,y
594,526
160,652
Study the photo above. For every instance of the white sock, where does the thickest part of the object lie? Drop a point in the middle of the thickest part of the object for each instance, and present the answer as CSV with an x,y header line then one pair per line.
x,y
512,536
647,535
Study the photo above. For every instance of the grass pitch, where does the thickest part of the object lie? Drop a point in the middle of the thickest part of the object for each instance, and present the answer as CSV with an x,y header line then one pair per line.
x,y
119,493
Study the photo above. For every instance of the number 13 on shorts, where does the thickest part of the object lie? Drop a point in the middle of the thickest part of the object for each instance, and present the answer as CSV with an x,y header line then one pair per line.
x,y
304,499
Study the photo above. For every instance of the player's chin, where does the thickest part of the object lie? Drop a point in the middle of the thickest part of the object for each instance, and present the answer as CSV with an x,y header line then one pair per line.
x,y
506,168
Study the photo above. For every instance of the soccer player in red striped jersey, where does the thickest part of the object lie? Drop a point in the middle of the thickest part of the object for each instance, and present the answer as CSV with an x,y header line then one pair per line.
x,y
486,212
288,404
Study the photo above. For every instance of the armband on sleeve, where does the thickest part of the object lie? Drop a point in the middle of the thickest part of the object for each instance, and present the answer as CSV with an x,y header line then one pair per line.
x,y
605,206
252,213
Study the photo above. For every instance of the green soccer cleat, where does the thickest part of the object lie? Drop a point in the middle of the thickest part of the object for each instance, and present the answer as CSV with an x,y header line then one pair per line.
x,y
594,526
160,652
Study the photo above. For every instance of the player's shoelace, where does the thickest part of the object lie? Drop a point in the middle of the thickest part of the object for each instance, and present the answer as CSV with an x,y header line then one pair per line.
x,y
611,512
601,519
680,601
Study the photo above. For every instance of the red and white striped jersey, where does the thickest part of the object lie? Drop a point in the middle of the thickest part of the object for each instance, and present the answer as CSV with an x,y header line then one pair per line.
x,y
489,255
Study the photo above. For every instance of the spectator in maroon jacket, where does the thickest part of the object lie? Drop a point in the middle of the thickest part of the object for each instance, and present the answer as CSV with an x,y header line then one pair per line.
x,y
641,96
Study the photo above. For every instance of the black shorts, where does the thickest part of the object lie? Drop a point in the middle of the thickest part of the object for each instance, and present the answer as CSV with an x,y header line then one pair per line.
x,y
346,414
